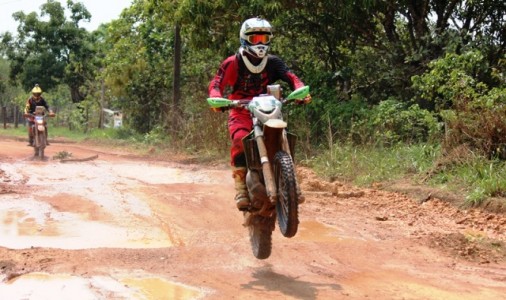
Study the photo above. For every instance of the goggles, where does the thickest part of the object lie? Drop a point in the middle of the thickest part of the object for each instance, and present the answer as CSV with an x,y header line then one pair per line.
x,y
255,39
36,95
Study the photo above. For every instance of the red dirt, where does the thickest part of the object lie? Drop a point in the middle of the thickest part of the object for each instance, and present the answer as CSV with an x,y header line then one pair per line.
x,y
131,227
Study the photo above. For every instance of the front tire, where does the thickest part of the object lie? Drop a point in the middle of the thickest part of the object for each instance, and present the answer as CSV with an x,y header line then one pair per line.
x,y
287,204
42,144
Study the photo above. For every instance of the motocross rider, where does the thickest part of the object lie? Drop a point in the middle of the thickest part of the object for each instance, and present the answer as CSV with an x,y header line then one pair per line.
x,y
35,100
248,72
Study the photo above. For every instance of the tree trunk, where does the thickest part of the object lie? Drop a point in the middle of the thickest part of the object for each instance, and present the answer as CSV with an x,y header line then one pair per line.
x,y
102,100
176,109
75,94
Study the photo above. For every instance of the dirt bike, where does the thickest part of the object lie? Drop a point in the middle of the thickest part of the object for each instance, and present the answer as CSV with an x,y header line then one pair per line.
x,y
271,176
38,128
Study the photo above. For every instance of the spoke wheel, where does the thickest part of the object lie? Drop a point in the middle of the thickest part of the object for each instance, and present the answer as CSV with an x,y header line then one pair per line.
x,y
42,144
287,204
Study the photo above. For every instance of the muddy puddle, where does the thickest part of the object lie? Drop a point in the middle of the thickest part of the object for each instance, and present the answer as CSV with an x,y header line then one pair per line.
x,y
98,208
54,286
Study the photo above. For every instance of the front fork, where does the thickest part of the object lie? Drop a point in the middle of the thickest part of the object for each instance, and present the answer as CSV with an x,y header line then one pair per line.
x,y
287,144
270,184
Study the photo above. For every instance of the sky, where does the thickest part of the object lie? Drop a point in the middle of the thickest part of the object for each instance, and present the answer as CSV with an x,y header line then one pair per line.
x,y
102,11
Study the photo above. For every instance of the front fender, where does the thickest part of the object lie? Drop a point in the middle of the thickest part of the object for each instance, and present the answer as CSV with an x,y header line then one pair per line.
x,y
273,137
275,123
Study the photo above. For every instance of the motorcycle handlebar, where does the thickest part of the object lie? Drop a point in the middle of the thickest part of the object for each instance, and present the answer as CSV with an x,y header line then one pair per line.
x,y
243,103
30,115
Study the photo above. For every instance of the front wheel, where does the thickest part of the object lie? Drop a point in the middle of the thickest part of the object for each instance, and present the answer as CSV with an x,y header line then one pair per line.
x,y
287,204
42,145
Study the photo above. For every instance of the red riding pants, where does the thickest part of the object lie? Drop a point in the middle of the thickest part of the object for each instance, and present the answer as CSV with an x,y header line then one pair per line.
x,y
239,126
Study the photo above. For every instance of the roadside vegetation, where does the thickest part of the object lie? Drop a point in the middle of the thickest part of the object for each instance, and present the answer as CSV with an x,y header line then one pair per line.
x,y
400,90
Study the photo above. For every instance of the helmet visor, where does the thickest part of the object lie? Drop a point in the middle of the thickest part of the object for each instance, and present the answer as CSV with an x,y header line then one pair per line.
x,y
255,39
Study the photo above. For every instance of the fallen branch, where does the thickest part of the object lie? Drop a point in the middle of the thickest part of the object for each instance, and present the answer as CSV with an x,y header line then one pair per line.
x,y
79,159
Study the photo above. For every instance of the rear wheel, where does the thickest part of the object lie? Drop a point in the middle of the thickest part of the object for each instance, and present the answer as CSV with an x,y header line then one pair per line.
x,y
260,234
287,205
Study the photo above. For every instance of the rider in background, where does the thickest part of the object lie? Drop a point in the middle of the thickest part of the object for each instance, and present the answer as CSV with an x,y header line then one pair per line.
x,y
248,72
35,100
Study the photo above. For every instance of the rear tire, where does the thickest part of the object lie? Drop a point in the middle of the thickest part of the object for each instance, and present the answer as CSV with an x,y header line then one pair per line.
x,y
287,205
260,234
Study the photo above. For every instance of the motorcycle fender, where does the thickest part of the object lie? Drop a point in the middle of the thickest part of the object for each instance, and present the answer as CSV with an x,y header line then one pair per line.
x,y
273,138
276,123
41,127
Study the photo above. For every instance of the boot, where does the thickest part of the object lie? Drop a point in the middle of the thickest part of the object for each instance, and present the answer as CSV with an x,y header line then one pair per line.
x,y
241,198
30,141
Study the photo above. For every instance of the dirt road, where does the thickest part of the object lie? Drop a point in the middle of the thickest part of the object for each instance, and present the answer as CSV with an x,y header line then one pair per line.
x,y
126,227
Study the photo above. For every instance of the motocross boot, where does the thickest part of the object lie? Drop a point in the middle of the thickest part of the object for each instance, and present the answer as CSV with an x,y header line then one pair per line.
x,y
241,198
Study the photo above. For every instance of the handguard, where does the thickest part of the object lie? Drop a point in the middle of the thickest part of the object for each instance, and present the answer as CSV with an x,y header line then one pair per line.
x,y
299,93
219,102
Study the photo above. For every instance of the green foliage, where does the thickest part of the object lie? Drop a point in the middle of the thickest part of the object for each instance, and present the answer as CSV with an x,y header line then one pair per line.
x,y
388,123
472,112
9,94
366,165
392,122
451,78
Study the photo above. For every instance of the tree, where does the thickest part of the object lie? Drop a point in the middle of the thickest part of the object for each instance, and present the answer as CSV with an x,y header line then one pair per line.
x,y
51,50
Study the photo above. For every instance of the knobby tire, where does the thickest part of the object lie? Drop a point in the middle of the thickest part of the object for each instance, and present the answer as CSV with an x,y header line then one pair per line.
x,y
42,145
287,205
260,234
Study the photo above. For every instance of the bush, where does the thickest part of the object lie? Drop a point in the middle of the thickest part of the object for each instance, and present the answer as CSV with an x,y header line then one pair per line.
x,y
473,113
392,122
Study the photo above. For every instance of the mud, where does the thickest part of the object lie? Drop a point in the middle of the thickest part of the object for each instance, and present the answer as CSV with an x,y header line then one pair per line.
x,y
125,226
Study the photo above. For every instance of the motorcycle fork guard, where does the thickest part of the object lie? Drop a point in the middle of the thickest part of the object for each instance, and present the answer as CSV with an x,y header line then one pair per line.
x,y
251,149
251,153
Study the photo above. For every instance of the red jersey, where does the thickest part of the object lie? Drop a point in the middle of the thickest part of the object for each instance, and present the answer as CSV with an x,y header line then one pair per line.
x,y
245,84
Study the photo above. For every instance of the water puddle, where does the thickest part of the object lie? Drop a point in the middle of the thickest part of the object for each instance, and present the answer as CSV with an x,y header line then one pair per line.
x,y
157,288
47,286
40,226
317,232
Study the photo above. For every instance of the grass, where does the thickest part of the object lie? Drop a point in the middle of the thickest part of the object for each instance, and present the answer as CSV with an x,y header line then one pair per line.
x,y
479,178
156,143
475,178
364,165
63,132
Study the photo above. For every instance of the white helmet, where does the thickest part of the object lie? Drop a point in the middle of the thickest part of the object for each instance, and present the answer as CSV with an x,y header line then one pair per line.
x,y
255,36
